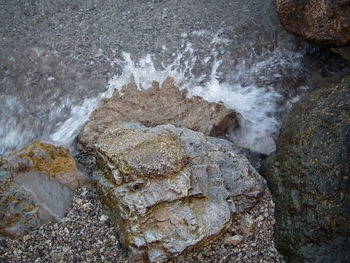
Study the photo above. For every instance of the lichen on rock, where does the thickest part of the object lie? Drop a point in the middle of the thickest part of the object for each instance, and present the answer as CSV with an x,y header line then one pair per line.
x,y
36,186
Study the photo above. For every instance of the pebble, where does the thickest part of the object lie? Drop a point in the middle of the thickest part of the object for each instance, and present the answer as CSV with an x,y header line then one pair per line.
x,y
86,235
103,218
26,237
236,239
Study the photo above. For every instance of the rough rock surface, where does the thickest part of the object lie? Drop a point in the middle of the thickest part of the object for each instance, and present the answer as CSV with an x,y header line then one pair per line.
x,y
156,106
323,22
36,185
168,189
310,178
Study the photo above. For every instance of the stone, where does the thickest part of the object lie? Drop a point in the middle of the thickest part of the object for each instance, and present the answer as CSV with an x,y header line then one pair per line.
x,y
164,104
322,22
36,186
168,189
309,178
247,224
103,218
234,240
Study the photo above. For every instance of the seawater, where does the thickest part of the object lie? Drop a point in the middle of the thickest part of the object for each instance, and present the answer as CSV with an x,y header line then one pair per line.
x,y
248,87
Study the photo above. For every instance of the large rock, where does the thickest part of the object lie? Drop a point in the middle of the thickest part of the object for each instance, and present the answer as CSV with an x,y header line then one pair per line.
x,y
36,186
323,22
310,178
168,189
156,106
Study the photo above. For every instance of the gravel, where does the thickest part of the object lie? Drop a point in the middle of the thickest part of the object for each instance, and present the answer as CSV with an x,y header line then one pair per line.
x,y
86,234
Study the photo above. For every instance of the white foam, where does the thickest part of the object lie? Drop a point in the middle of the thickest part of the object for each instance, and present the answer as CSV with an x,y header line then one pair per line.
x,y
67,131
256,106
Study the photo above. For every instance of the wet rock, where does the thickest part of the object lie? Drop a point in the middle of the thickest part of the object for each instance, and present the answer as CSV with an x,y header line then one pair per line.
x,y
156,106
324,22
36,186
309,178
168,189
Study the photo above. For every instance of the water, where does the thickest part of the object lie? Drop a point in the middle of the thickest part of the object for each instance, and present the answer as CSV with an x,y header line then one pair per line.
x,y
58,63
257,105
248,87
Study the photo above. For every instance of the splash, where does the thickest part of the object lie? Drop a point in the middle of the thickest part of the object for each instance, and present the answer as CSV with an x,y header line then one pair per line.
x,y
248,88
247,82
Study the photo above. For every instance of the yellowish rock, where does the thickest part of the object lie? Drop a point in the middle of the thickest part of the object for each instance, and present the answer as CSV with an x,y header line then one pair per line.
x,y
36,186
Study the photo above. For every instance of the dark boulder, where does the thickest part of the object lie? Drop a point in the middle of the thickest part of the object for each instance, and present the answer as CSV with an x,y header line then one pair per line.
x,y
309,178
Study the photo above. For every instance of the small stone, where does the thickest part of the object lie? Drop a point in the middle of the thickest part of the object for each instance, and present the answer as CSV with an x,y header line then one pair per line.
x,y
233,240
260,218
103,218
247,224
26,237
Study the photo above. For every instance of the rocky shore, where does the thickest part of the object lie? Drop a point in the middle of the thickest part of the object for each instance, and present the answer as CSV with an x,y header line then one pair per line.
x,y
86,234
158,173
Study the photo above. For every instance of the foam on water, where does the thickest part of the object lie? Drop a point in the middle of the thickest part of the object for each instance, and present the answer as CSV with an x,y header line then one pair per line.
x,y
246,87
257,106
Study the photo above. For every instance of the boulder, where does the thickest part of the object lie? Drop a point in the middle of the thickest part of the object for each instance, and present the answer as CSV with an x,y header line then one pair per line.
x,y
309,178
169,189
36,186
322,22
156,106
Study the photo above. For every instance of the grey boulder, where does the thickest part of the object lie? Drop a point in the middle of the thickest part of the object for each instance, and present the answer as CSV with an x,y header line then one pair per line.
x,y
168,189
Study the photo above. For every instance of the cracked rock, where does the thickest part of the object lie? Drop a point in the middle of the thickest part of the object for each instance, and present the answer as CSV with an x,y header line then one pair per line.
x,y
168,189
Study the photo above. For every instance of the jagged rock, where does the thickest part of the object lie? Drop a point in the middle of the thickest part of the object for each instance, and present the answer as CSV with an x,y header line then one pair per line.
x,y
168,189
36,186
156,106
309,178
323,22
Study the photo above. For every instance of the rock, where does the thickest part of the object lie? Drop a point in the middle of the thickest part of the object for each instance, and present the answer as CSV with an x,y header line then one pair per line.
x,y
322,22
247,225
168,189
234,240
36,186
26,238
310,178
103,218
156,106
